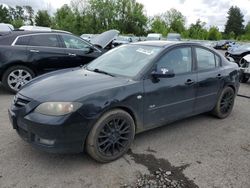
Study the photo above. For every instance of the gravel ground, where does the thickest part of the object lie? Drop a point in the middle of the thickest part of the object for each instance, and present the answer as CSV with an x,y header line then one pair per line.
x,y
201,151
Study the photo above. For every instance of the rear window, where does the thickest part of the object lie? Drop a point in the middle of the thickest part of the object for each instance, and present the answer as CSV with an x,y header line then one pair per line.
x,y
23,40
46,40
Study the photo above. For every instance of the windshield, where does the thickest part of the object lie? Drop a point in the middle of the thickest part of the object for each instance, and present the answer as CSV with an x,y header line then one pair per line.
x,y
127,60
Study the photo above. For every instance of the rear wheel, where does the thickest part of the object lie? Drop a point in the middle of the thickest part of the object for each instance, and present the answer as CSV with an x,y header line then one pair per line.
x,y
111,136
224,103
17,76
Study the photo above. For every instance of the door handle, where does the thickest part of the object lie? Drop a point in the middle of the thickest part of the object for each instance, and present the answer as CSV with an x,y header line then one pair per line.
x,y
34,51
189,82
70,54
219,76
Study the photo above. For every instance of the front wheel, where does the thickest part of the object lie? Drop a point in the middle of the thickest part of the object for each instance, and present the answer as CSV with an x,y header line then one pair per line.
x,y
111,136
225,103
17,76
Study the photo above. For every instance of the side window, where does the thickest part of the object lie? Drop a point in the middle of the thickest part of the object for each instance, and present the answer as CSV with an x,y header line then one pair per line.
x,y
74,42
205,59
44,40
22,40
179,60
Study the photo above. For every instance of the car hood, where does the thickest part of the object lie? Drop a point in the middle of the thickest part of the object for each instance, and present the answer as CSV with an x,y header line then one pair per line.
x,y
105,38
69,85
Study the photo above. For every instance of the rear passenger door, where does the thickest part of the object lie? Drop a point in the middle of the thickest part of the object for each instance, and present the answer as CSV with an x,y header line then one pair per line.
x,y
45,52
209,76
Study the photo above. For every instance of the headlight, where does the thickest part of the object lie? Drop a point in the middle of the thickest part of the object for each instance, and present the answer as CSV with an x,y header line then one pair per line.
x,y
57,108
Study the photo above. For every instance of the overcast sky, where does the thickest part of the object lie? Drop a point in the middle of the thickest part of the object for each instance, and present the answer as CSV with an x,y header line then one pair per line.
x,y
213,12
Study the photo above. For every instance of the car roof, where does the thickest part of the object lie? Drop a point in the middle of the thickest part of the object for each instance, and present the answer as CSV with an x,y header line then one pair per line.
x,y
8,38
164,44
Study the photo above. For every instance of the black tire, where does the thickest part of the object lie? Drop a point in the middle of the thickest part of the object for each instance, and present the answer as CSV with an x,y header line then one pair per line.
x,y
225,103
11,70
111,136
243,78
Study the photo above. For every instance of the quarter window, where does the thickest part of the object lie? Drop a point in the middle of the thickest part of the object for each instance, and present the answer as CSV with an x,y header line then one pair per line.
x,y
74,42
205,59
44,40
179,60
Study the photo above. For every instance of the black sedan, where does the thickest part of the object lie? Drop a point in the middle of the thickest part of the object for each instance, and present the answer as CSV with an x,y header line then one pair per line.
x,y
100,107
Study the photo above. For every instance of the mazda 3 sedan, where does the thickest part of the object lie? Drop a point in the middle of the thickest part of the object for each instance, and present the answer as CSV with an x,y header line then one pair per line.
x,y
100,107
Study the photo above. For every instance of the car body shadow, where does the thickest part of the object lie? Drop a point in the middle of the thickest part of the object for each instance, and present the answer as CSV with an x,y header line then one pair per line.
x,y
3,91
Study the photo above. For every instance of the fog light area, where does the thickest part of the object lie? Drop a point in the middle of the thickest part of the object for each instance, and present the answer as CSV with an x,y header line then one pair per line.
x,y
45,141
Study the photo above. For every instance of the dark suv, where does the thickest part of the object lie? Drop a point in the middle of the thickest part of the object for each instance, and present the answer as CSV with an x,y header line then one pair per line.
x,y
26,54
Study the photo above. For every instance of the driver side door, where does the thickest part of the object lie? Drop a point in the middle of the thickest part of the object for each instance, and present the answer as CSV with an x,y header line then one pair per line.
x,y
169,99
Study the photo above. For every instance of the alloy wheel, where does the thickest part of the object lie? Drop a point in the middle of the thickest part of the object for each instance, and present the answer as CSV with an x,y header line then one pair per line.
x,y
114,136
18,78
226,103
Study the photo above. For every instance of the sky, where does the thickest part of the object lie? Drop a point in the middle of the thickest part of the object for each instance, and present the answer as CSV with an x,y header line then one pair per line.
x,y
213,12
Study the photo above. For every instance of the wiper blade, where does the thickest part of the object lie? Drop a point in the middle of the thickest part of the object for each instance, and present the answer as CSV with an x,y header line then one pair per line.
x,y
103,72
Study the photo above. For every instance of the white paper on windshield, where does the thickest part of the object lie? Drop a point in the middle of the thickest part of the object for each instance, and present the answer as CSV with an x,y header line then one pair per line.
x,y
144,51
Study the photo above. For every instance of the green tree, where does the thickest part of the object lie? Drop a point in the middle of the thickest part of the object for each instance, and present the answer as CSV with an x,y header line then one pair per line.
x,y
19,13
4,15
214,34
17,23
246,36
30,14
158,25
42,18
197,30
234,22
64,19
247,28
175,20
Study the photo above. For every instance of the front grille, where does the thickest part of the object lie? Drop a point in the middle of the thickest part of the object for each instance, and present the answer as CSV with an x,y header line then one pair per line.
x,y
20,101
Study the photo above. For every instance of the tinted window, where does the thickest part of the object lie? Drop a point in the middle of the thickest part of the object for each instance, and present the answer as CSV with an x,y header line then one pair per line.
x,y
23,40
44,40
179,60
205,59
74,42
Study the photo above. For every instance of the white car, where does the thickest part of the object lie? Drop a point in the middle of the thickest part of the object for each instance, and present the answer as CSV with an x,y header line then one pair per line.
x,y
154,36
245,68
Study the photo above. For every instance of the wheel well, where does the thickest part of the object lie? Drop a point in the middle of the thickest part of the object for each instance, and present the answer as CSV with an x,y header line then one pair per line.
x,y
232,87
130,112
18,64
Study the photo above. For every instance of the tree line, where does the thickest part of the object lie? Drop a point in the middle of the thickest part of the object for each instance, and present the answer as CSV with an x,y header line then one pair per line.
x,y
127,16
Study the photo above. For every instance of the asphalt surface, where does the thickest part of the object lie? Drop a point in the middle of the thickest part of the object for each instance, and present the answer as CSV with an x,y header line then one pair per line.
x,y
202,151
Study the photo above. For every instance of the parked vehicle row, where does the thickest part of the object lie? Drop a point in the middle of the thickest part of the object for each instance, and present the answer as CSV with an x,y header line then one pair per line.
x,y
224,44
135,87
238,52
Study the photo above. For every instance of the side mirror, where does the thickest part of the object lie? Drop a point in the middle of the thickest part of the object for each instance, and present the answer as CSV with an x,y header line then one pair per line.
x,y
163,72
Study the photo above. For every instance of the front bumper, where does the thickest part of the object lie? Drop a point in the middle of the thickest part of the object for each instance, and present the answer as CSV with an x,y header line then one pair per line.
x,y
61,134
